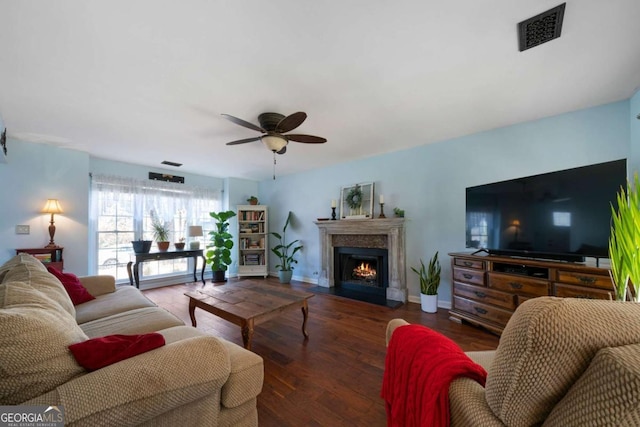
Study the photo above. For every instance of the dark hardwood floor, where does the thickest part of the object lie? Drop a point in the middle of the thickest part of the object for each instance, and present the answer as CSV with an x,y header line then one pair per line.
x,y
334,377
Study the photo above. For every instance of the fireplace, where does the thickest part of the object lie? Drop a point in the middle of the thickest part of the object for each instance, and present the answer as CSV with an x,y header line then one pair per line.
x,y
361,270
380,234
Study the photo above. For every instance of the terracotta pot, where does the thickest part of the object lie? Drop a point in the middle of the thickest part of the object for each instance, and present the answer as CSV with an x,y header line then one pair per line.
x,y
163,246
179,246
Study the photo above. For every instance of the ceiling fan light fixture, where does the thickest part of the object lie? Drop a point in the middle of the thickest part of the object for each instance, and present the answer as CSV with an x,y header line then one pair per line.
x,y
274,143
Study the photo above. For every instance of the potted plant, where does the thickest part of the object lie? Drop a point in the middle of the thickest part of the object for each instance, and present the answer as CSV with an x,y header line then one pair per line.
x,y
429,282
160,232
253,200
179,244
624,242
218,252
285,252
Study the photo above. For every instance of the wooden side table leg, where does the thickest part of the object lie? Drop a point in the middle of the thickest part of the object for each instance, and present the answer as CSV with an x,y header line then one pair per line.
x,y
192,312
204,264
247,333
305,316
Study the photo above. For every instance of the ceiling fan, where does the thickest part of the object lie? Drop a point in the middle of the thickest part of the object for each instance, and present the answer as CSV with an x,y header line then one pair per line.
x,y
274,128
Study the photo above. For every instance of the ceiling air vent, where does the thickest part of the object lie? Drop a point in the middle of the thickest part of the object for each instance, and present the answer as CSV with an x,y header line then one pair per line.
x,y
541,28
167,162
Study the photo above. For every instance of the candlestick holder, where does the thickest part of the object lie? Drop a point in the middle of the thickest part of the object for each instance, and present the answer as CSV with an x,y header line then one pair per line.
x,y
381,211
333,213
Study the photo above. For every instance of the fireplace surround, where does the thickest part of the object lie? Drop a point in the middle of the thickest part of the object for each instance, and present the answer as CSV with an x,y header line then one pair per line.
x,y
387,233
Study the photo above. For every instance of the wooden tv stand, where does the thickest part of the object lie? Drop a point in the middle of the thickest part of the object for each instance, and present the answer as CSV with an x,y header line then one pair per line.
x,y
488,288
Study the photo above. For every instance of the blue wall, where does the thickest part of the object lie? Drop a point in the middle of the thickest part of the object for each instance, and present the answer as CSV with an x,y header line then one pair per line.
x,y
634,107
429,181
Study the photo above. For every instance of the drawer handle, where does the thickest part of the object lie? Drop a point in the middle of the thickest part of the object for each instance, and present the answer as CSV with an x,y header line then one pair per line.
x,y
587,280
480,294
515,285
480,310
467,276
467,263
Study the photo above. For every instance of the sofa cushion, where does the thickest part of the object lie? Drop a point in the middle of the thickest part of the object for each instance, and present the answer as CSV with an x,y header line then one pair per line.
x,y
137,321
34,273
21,258
125,298
547,344
72,285
608,393
34,337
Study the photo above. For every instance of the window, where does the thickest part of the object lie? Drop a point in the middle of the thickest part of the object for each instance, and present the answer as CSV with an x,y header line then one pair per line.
x,y
121,210
478,224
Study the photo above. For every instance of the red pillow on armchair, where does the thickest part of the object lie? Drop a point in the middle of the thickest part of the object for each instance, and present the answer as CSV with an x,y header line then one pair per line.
x,y
72,285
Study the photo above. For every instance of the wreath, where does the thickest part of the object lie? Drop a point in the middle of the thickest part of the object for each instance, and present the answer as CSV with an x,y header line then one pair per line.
x,y
354,197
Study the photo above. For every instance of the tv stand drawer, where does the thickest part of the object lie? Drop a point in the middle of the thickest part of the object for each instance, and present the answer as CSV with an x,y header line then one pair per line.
x,y
518,285
485,295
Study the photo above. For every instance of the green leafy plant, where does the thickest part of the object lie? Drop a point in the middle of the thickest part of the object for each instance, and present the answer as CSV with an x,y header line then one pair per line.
x,y
218,252
160,229
283,250
398,212
253,200
429,276
624,242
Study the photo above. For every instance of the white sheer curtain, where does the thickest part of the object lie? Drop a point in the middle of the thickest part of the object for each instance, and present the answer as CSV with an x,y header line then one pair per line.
x,y
130,202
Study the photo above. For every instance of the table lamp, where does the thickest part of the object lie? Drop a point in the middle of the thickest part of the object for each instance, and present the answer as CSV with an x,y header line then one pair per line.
x,y
194,231
52,207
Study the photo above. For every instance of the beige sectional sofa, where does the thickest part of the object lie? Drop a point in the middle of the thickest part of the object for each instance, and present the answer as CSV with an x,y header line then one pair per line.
x,y
194,379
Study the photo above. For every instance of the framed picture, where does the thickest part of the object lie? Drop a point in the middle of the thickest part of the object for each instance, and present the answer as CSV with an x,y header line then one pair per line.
x,y
356,201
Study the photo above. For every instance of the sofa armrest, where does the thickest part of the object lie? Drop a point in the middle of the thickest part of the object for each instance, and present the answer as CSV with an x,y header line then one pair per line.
x,y
392,325
99,285
143,387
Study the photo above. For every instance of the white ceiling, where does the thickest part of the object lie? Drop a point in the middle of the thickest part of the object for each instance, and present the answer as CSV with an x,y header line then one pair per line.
x,y
144,81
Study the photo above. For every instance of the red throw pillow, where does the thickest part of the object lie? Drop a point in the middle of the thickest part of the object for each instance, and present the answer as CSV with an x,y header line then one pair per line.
x,y
74,288
97,353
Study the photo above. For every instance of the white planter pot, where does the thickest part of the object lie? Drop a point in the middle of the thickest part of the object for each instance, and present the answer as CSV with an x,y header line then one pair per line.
x,y
429,303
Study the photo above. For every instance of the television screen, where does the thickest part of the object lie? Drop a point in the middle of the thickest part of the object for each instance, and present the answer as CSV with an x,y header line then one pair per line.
x,y
562,215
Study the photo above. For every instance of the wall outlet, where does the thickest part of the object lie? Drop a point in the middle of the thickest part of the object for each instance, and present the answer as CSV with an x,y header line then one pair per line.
x,y
22,229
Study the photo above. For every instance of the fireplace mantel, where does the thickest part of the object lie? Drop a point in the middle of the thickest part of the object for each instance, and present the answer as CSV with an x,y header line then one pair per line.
x,y
392,228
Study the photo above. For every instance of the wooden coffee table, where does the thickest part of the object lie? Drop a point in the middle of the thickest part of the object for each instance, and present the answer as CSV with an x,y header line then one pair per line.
x,y
248,303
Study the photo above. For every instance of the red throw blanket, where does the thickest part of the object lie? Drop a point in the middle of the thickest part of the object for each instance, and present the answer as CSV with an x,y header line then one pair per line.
x,y
419,367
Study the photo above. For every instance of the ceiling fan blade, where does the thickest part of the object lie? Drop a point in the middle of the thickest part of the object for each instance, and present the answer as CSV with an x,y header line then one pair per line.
x,y
244,141
283,150
243,123
291,122
307,139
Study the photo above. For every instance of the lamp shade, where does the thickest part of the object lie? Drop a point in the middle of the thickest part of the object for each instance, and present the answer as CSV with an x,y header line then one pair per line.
x,y
274,142
52,207
195,231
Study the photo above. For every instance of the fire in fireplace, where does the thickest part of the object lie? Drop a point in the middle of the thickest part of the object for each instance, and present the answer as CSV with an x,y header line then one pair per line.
x,y
361,269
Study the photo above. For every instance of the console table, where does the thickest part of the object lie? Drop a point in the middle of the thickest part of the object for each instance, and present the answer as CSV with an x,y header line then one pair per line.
x,y
134,276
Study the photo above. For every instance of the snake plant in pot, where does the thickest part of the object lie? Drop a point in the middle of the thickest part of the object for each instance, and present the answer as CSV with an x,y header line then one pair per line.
x,y
285,252
624,243
429,283
218,252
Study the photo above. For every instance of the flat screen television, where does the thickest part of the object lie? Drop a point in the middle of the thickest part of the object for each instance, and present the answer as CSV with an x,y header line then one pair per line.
x,y
563,215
